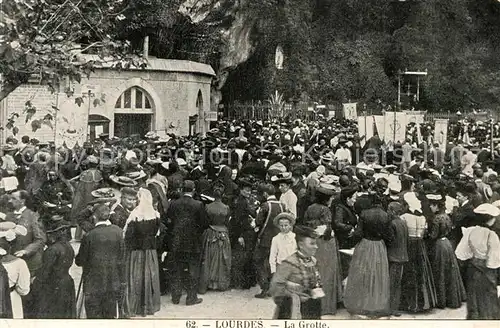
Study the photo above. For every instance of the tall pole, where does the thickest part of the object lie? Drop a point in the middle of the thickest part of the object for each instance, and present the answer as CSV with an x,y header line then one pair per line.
x,y
491,145
399,89
418,88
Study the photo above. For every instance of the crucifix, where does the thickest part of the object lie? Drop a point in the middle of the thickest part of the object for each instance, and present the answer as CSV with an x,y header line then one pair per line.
x,y
408,89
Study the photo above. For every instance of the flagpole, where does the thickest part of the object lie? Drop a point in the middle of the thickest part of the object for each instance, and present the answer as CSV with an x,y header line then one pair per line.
x,y
491,145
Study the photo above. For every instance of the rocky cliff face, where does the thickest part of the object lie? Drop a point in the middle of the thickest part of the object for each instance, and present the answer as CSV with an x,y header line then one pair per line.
x,y
235,32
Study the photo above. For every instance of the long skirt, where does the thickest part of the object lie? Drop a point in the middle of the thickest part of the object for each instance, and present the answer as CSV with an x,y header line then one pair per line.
x,y
329,270
482,299
450,290
309,310
242,265
418,290
368,289
216,260
54,299
142,296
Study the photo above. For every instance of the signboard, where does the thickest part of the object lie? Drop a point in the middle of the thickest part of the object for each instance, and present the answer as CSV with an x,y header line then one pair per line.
x,y
415,116
394,126
441,132
71,122
211,116
350,112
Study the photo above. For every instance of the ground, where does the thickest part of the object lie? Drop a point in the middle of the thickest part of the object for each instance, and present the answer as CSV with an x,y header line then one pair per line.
x,y
241,304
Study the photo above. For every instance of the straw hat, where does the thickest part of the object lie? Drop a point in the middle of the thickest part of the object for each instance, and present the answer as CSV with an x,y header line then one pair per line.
x,y
123,181
136,175
282,177
284,216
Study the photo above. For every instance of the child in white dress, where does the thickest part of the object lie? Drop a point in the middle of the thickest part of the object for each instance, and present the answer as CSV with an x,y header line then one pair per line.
x,y
283,244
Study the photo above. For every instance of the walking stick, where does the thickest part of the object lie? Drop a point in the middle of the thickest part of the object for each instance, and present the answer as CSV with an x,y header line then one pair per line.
x,y
80,306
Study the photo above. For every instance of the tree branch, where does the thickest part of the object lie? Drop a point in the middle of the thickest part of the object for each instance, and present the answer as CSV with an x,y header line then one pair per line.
x,y
7,88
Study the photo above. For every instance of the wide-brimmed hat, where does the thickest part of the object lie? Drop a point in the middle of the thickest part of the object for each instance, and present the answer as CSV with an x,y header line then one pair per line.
x,y
123,181
282,177
327,158
326,189
305,231
487,209
136,175
105,193
284,216
58,226
19,230
9,147
245,182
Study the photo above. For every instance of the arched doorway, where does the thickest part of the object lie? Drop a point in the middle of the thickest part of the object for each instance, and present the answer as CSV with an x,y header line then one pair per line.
x,y
134,111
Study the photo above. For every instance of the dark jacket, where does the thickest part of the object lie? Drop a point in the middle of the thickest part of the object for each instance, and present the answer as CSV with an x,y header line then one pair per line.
x,y
374,225
188,219
267,230
118,216
101,256
239,225
397,249
344,220
34,241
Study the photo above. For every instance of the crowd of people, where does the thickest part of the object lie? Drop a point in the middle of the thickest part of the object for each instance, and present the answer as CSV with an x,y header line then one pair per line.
x,y
311,212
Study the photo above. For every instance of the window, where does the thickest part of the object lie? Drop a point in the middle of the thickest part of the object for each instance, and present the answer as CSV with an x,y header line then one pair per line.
x,y
134,98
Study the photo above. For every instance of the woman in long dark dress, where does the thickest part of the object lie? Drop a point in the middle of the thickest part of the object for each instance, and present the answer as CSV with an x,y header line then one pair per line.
x,y
319,215
216,259
450,290
367,290
142,271
418,290
54,288
480,247
344,221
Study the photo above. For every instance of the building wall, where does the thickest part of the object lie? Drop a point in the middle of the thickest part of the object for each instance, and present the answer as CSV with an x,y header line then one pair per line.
x,y
173,94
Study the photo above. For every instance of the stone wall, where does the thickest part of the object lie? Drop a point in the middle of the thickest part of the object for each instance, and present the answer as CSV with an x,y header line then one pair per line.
x,y
174,96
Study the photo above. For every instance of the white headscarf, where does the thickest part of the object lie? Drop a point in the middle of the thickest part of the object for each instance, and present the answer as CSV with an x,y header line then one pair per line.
x,y
144,210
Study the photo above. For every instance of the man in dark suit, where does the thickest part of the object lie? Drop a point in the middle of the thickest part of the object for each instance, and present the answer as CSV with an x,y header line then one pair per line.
x,y
101,256
188,220
267,230
29,247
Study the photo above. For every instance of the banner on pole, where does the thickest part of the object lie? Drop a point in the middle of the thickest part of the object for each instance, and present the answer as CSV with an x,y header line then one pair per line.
x,y
441,132
415,116
70,122
350,111
395,127
379,125
365,128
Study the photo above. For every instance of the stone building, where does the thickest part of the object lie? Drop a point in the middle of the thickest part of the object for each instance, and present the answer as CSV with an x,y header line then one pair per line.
x,y
168,96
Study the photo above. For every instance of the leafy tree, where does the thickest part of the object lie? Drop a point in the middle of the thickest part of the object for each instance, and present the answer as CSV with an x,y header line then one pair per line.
x,y
42,38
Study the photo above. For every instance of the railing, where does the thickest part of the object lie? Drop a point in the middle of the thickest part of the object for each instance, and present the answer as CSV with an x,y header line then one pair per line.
x,y
261,110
